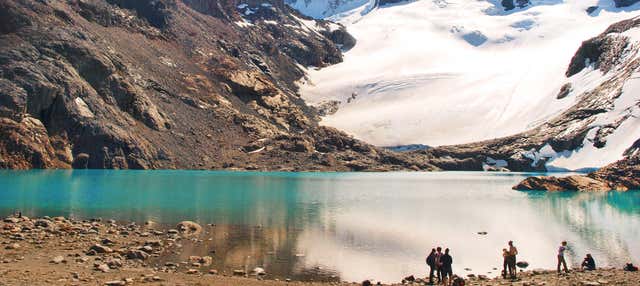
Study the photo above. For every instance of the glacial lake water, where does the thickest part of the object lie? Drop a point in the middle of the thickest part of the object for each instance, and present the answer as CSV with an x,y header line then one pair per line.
x,y
348,226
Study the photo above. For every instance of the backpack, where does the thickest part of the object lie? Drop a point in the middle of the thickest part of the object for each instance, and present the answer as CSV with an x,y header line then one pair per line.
x,y
431,260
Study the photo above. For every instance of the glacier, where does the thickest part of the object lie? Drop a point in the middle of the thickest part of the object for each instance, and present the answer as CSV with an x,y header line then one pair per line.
x,y
439,72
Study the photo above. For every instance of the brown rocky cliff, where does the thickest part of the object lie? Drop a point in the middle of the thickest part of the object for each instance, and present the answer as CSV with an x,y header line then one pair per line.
x,y
167,84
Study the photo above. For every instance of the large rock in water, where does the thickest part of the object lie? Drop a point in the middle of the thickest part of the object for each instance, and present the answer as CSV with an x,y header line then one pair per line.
x,y
621,176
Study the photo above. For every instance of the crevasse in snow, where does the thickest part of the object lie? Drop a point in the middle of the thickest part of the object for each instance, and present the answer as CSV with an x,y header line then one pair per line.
x,y
455,71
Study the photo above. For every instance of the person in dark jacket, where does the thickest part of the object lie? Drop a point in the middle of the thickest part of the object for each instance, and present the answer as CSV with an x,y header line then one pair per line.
x,y
439,263
588,263
447,269
431,262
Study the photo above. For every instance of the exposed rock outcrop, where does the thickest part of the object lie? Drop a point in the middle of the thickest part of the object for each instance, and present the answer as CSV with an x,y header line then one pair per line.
x,y
169,84
623,175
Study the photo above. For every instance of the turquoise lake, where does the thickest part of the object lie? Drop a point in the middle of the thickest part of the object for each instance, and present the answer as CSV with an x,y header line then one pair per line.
x,y
348,226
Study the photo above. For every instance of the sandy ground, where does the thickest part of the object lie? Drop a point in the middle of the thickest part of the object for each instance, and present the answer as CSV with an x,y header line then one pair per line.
x,y
58,251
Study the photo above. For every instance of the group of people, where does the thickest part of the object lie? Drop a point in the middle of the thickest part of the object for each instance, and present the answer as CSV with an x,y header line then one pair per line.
x,y
509,260
440,264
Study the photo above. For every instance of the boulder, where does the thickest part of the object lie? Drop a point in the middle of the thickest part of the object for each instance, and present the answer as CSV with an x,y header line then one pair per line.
x,y
136,254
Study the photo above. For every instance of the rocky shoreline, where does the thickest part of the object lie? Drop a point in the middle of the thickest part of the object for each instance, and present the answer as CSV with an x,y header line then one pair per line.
x,y
63,251
623,175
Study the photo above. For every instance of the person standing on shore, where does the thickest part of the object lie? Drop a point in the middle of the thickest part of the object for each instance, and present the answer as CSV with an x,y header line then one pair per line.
x,y
439,263
447,269
505,262
431,262
511,263
561,260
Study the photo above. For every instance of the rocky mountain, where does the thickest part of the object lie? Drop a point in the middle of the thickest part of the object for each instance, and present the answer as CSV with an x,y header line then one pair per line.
x,y
151,84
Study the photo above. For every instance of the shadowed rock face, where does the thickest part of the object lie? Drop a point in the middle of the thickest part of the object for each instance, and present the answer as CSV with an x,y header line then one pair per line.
x,y
167,84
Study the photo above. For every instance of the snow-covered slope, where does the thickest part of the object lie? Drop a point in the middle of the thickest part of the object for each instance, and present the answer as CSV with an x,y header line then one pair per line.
x,y
325,8
439,72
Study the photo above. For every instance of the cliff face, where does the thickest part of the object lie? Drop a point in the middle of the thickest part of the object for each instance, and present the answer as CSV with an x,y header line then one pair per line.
x,y
167,84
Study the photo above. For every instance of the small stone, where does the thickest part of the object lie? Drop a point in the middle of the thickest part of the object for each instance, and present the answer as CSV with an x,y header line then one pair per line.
x,y
239,272
213,271
192,271
108,241
13,246
11,220
189,228
102,267
43,223
101,249
206,260
146,248
114,263
115,283
58,259
153,242
259,271
136,254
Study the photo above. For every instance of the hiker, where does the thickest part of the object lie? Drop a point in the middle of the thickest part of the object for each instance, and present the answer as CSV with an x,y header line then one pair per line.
x,y
447,270
431,262
630,267
588,263
511,263
439,263
505,262
561,260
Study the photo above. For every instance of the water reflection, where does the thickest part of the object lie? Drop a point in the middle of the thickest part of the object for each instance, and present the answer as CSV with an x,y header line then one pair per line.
x,y
356,226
